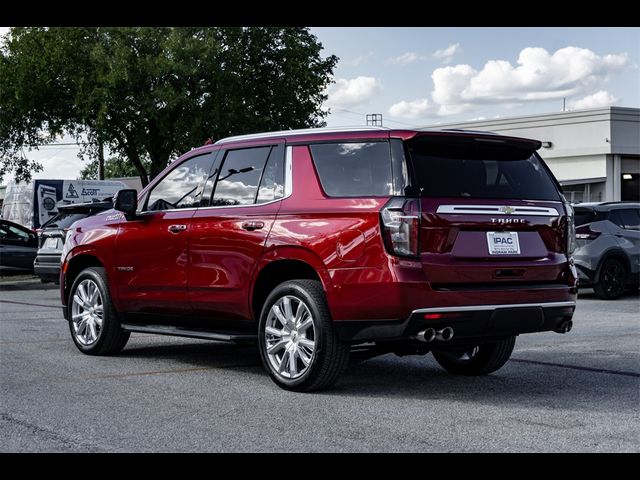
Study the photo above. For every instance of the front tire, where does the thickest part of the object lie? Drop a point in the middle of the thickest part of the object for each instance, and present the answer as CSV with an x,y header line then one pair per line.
x,y
476,360
612,282
93,321
298,345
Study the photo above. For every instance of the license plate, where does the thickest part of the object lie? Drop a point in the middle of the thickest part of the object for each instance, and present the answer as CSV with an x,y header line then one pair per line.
x,y
51,243
503,243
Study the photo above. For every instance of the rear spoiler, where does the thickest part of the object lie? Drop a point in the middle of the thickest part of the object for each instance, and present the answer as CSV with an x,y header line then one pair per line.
x,y
473,136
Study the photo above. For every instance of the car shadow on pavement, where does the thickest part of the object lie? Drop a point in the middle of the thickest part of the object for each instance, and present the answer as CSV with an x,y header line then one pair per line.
x,y
421,378
589,294
204,354
30,285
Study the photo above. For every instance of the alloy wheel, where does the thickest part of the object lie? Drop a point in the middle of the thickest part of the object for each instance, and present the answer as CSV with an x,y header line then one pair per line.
x,y
87,312
613,278
290,337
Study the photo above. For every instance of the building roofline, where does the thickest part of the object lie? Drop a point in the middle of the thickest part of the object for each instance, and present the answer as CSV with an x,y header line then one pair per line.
x,y
589,112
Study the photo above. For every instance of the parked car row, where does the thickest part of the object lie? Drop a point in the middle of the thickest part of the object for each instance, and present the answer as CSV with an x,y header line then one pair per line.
x,y
608,247
26,251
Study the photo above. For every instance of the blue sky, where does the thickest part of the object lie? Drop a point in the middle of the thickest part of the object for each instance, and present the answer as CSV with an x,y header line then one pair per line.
x,y
600,69
477,75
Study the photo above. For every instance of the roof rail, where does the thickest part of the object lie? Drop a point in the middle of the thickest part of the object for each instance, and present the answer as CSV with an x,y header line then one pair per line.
x,y
305,131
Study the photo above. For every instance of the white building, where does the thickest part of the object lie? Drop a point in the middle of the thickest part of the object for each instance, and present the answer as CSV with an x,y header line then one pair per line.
x,y
594,154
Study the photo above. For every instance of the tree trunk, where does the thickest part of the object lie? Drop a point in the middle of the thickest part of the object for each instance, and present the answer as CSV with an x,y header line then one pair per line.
x,y
100,159
158,164
132,154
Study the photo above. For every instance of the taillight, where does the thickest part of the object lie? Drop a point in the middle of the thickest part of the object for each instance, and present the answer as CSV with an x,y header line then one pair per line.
x,y
585,233
571,229
400,220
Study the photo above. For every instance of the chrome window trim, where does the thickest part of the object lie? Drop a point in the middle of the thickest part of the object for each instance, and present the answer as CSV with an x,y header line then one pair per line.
x,y
478,308
498,210
288,190
288,172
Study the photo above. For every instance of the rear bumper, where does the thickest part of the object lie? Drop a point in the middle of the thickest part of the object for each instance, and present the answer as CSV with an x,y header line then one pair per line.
x,y
470,322
47,267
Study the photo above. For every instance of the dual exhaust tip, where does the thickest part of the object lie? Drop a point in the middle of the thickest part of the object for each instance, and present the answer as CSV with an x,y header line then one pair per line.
x,y
564,327
445,334
430,334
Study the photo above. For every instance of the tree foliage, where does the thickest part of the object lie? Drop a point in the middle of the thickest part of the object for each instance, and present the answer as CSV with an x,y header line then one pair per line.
x,y
155,92
114,167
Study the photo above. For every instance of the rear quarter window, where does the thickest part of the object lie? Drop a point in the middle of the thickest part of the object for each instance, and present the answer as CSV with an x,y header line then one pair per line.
x,y
357,169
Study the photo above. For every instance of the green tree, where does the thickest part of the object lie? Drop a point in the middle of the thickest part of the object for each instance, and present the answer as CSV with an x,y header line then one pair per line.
x,y
155,92
114,167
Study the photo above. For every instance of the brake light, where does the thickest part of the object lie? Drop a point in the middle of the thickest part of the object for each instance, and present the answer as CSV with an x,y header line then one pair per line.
x,y
585,233
571,229
400,221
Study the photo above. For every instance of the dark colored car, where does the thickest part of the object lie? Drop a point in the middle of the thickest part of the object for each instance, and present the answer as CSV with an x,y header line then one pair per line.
x,y
52,235
18,247
608,247
314,243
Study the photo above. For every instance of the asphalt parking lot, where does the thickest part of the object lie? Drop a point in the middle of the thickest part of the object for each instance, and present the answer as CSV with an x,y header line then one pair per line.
x,y
559,393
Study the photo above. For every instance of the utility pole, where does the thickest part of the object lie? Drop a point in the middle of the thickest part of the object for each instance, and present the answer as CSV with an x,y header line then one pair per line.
x,y
564,104
100,159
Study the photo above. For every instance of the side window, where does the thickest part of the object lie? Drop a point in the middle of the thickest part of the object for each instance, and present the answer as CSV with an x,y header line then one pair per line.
x,y
272,183
615,217
239,176
182,187
630,219
21,234
354,169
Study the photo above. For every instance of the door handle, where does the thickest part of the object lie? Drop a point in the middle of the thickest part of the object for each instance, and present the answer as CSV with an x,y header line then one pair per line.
x,y
251,226
176,228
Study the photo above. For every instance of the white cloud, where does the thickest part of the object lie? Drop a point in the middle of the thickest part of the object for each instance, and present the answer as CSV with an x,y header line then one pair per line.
x,y
537,76
352,92
406,58
601,98
3,32
447,54
358,60
414,109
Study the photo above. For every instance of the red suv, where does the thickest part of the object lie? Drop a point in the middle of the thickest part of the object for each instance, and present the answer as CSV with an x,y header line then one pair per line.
x,y
317,243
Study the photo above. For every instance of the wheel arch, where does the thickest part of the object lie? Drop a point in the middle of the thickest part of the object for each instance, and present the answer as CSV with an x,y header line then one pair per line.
x,y
75,263
616,254
280,265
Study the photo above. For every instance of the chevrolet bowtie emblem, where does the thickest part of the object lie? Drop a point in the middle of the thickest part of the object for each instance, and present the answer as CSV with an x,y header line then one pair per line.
x,y
507,210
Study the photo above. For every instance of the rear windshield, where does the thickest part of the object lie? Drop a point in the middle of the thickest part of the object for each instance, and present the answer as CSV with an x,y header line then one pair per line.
x,y
478,170
64,220
587,215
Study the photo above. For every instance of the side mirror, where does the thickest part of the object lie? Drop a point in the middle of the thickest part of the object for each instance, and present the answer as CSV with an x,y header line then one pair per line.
x,y
126,201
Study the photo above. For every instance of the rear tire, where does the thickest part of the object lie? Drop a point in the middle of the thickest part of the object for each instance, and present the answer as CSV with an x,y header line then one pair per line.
x,y
612,280
298,345
479,360
93,321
